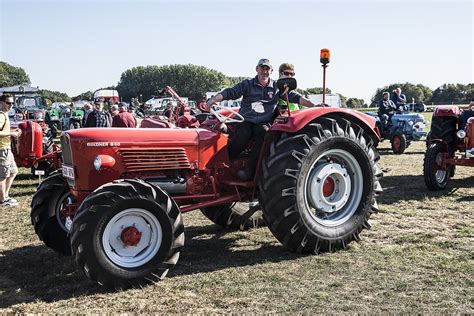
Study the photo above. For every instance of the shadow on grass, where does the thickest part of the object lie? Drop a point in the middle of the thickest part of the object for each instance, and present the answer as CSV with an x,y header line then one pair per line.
x,y
25,176
36,273
388,152
409,187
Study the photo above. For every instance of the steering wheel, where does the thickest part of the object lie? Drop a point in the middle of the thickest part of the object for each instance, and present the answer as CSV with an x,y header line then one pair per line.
x,y
225,119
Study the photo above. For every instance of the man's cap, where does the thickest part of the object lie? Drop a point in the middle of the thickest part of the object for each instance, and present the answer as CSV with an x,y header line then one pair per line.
x,y
122,105
264,62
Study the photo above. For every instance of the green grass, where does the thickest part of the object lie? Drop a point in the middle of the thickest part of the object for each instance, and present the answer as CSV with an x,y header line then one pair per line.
x,y
417,258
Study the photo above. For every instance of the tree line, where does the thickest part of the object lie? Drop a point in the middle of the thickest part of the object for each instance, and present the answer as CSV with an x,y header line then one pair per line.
x,y
193,81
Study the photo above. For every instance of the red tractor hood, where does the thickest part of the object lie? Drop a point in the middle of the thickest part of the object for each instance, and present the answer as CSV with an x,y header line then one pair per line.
x,y
112,137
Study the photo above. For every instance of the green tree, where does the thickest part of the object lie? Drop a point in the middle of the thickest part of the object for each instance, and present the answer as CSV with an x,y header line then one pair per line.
x,y
87,95
187,80
12,76
418,92
355,103
54,96
232,81
450,93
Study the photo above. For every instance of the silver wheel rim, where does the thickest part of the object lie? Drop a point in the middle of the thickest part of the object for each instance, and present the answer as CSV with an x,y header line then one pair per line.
x,y
440,175
138,255
333,207
62,221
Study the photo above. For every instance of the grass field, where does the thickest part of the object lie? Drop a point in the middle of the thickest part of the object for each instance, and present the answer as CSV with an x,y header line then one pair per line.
x,y
418,257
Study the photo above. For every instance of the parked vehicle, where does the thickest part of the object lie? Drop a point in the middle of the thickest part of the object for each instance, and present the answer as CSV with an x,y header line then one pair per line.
x,y
34,147
53,117
416,107
448,146
71,117
107,95
401,129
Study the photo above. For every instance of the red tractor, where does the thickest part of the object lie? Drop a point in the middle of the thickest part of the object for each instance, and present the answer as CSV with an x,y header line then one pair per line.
x,y
117,205
450,144
178,115
34,148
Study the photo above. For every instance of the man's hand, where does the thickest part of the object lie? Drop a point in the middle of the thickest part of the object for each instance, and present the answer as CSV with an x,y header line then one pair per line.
x,y
15,132
209,104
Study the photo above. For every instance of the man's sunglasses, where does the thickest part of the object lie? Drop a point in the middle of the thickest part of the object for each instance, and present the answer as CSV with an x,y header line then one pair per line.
x,y
9,103
289,73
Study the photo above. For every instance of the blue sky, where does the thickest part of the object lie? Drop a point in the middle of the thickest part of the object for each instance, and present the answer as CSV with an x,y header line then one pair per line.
x,y
75,46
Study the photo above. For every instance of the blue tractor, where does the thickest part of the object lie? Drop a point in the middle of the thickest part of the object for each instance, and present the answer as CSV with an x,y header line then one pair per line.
x,y
401,129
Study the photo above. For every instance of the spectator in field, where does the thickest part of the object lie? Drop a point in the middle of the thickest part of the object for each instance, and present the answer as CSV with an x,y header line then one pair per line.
x,y
260,96
386,106
8,168
124,118
399,99
97,118
87,108
114,110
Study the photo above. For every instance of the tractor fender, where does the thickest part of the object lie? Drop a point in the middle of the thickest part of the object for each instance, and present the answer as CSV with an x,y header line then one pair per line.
x,y
299,119
446,110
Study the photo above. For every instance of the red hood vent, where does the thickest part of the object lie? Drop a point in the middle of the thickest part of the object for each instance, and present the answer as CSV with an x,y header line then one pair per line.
x,y
149,159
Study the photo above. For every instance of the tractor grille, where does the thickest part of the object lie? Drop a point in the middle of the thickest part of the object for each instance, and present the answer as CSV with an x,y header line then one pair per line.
x,y
154,159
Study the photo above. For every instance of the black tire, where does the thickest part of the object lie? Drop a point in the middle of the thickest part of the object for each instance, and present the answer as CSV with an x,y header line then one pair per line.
x,y
435,178
428,139
50,224
444,128
234,216
288,209
105,213
77,125
399,143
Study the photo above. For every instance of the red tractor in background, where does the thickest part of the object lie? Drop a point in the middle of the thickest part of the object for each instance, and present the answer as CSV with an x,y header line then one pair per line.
x,y
450,144
173,116
33,148
118,204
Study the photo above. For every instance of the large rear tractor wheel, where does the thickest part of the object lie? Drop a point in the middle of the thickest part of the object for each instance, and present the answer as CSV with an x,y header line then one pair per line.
x,y
47,213
399,143
444,128
237,215
127,233
319,186
435,177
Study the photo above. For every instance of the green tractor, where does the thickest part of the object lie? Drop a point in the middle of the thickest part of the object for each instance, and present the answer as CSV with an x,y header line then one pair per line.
x,y
53,116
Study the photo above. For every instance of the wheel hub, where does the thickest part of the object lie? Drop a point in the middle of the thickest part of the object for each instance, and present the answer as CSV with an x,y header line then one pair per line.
x,y
396,142
329,187
131,236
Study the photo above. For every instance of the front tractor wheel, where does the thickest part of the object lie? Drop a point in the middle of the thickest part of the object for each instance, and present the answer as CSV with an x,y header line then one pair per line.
x,y
49,208
237,215
436,178
127,233
399,143
319,186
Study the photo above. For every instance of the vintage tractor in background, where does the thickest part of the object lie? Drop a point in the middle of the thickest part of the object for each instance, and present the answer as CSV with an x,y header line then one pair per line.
x,y
71,117
176,114
401,129
450,144
53,117
34,149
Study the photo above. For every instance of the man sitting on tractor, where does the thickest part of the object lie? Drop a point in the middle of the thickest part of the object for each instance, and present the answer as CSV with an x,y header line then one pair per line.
x,y
386,108
399,100
260,96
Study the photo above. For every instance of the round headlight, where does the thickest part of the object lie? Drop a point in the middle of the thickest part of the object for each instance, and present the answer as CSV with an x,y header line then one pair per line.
x,y
410,122
97,163
461,134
